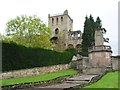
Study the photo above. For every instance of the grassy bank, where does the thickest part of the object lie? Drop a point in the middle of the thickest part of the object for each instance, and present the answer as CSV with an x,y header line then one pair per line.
x,y
110,80
39,78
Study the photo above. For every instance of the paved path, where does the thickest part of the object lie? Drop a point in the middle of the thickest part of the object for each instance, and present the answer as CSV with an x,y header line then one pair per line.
x,y
73,82
69,83
82,78
62,86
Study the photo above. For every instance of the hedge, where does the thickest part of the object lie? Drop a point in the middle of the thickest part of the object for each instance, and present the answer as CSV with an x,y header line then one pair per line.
x,y
15,57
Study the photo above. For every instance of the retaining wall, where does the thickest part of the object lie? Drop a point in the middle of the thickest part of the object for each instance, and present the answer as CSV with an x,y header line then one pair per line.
x,y
33,71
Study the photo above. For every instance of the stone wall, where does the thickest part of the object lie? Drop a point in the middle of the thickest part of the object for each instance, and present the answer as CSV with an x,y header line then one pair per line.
x,y
33,71
100,58
80,63
115,62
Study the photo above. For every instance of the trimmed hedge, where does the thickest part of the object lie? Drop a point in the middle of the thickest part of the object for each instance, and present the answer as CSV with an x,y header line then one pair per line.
x,y
15,57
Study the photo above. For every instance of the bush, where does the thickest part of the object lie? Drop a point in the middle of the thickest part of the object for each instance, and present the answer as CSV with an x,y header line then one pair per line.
x,y
15,57
85,54
73,51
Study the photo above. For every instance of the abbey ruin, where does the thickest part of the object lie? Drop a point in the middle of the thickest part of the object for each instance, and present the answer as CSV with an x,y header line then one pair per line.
x,y
63,37
91,68
62,32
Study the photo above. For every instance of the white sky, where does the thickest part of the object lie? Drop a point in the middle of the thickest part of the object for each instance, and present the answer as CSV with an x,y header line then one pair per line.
x,y
107,10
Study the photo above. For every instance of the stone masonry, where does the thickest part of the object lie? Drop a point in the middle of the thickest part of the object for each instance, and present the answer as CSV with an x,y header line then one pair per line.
x,y
33,71
63,35
100,54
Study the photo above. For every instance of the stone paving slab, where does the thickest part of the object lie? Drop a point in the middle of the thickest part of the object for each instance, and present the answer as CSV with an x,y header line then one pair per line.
x,y
42,89
78,82
62,86
82,78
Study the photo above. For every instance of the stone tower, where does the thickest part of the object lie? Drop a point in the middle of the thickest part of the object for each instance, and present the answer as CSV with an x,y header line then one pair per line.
x,y
63,35
60,24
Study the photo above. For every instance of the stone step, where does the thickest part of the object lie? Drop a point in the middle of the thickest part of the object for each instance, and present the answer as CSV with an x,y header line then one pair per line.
x,y
69,83
77,82
79,79
82,78
62,86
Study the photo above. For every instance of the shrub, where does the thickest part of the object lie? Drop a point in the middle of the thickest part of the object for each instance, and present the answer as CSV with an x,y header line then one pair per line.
x,y
73,51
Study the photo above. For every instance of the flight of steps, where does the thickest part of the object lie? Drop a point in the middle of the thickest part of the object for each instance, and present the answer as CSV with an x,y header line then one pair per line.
x,y
74,82
81,80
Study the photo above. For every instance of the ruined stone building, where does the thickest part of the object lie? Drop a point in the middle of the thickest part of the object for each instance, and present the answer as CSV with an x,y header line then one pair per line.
x,y
62,32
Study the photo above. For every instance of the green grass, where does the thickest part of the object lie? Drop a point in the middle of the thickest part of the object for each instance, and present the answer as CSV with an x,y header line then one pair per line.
x,y
39,78
110,80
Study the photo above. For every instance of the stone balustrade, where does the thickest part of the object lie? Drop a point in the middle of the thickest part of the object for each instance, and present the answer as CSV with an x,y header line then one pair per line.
x,y
100,47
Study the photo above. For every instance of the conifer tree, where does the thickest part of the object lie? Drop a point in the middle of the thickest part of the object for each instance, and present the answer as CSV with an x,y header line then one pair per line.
x,y
98,23
86,37
88,34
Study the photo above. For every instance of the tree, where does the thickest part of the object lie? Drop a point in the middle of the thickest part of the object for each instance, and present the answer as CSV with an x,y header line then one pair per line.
x,y
84,37
92,31
29,31
88,35
89,32
1,36
98,23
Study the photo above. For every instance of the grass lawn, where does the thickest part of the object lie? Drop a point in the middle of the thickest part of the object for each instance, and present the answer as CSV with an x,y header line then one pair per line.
x,y
44,77
110,80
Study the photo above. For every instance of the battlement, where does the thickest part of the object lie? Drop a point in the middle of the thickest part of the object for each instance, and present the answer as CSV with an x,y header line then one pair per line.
x,y
55,15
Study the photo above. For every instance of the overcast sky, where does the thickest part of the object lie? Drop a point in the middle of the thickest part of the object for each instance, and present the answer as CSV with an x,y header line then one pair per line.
x,y
107,10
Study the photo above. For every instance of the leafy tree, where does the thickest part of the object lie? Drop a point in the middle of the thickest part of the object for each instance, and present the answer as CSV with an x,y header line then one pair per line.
x,y
29,31
1,36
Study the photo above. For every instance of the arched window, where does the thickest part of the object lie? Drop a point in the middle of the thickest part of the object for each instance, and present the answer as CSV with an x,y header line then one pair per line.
x,y
56,31
52,20
78,46
57,20
70,46
61,18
